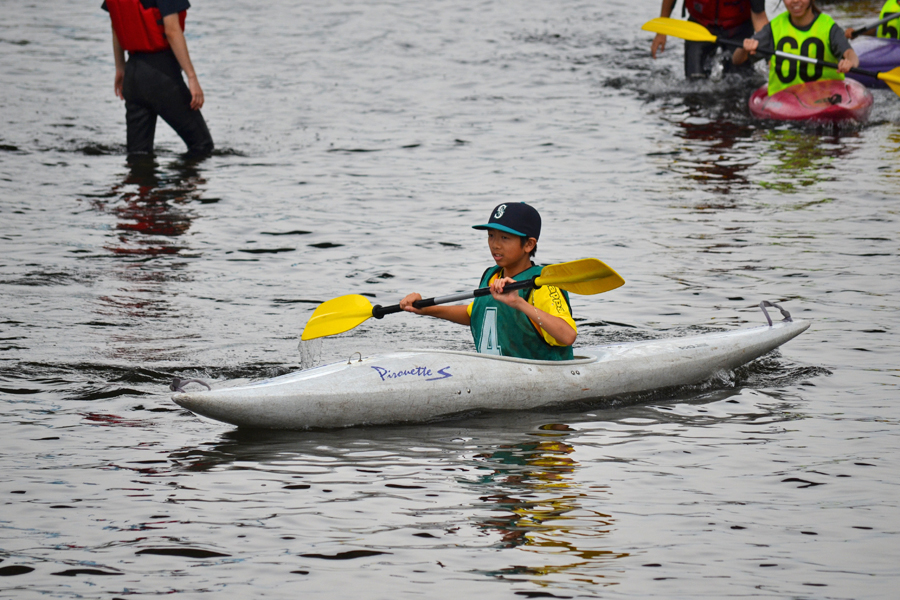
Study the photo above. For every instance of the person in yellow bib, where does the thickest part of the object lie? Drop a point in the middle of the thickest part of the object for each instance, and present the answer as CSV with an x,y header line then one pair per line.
x,y
535,324
889,30
803,30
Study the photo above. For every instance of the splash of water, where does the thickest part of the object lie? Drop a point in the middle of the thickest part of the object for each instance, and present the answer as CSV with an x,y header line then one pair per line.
x,y
310,353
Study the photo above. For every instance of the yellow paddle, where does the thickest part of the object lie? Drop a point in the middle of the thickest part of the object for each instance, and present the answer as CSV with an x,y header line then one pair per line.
x,y
586,277
696,32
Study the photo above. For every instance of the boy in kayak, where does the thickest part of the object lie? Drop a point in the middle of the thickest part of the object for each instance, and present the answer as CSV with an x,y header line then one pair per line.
x,y
889,30
535,324
803,30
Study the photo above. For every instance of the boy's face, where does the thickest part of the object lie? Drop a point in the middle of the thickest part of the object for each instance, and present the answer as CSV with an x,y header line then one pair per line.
x,y
507,249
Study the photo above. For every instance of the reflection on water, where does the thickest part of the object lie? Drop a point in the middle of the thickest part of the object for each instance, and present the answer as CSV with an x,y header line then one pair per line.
x,y
801,158
710,138
537,507
718,147
892,149
713,156
521,491
151,204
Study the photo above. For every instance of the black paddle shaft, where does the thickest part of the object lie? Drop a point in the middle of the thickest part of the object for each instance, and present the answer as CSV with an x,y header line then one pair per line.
x,y
858,32
797,57
379,311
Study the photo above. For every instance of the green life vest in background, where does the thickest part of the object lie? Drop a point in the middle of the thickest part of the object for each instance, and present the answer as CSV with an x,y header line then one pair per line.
x,y
814,43
891,29
502,330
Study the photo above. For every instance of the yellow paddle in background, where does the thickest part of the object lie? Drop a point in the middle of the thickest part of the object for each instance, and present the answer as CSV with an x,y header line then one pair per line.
x,y
587,276
695,32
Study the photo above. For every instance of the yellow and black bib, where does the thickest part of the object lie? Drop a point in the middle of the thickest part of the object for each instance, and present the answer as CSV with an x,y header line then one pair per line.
x,y
891,29
499,329
814,43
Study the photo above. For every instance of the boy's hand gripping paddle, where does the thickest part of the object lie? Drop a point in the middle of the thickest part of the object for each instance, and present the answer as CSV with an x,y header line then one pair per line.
x,y
586,277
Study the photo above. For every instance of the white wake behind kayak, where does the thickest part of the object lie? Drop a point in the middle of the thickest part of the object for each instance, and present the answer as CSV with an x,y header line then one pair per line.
x,y
422,385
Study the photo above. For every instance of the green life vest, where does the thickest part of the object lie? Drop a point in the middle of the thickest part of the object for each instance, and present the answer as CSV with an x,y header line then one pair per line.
x,y
814,43
891,29
502,330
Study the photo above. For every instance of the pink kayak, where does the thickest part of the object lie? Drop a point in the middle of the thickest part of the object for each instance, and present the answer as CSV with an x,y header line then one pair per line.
x,y
824,101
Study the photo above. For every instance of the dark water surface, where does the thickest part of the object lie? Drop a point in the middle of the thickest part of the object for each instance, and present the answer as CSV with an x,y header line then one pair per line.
x,y
357,144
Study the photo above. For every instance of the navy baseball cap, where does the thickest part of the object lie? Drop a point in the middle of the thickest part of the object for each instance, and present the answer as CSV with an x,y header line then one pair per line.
x,y
516,218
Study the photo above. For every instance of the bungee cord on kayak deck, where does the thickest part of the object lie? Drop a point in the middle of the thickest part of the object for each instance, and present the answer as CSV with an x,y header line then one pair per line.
x,y
784,313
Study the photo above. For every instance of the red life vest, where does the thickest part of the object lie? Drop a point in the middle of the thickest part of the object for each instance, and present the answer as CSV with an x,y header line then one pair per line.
x,y
139,29
726,14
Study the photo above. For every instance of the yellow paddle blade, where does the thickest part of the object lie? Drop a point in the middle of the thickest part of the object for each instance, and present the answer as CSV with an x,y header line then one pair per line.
x,y
895,87
892,78
586,277
685,30
337,316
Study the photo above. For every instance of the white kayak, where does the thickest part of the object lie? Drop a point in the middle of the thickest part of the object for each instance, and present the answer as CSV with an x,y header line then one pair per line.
x,y
423,385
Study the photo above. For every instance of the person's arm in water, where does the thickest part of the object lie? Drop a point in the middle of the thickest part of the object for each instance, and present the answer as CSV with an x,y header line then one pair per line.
x,y
455,313
119,56
659,40
176,40
558,329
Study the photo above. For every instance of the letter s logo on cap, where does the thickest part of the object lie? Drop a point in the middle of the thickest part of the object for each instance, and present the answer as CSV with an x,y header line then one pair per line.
x,y
500,210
